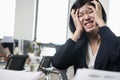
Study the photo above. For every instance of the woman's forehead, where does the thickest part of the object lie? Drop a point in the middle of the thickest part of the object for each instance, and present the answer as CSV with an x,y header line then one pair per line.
x,y
84,8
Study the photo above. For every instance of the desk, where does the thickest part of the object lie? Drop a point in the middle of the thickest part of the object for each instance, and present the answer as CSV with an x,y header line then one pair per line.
x,y
20,75
89,74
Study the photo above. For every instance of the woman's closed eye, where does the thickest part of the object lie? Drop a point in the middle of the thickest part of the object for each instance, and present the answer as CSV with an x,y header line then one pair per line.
x,y
80,14
89,11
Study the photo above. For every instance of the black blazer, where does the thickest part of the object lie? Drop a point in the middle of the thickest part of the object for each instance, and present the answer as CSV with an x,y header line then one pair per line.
x,y
74,53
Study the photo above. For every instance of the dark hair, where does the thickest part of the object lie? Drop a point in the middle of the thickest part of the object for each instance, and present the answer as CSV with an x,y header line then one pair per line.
x,y
78,4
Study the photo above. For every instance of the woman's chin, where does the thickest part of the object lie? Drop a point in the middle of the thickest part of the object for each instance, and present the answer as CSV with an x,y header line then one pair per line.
x,y
90,30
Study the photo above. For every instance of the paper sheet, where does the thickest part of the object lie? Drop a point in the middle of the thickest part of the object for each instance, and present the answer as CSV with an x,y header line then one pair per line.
x,y
89,74
20,75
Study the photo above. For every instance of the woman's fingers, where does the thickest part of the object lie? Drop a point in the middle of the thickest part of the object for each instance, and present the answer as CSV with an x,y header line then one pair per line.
x,y
97,12
74,12
97,4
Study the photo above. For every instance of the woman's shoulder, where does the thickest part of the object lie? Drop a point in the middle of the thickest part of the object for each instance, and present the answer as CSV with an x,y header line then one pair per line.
x,y
118,37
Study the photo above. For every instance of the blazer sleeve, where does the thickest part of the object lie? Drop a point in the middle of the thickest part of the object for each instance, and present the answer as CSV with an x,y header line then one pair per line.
x,y
62,58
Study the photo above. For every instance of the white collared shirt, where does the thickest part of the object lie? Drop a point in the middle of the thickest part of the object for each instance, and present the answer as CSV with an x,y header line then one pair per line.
x,y
90,58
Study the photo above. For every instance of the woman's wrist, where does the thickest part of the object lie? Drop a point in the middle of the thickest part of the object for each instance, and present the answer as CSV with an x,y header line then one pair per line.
x,y
76,35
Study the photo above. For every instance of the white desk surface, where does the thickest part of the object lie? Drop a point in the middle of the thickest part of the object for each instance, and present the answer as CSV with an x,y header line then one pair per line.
x,y
20,75
88,74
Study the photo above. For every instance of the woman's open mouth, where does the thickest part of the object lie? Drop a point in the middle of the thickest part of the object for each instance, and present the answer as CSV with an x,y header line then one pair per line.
x,y
89,24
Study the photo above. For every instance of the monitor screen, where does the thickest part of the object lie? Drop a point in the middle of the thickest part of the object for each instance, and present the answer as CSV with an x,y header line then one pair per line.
x,y
10,46
27,46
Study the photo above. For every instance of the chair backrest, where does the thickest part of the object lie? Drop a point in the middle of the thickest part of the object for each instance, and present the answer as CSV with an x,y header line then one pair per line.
x,y
16,62
46,61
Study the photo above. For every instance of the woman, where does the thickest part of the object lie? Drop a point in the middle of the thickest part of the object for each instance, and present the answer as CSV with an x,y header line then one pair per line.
x,y
93,45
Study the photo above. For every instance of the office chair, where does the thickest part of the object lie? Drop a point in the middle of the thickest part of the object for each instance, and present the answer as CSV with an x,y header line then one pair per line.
x,y
47,68
16,62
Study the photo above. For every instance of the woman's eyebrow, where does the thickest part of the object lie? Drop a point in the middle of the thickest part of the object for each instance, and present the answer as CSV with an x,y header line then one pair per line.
x,y
88,8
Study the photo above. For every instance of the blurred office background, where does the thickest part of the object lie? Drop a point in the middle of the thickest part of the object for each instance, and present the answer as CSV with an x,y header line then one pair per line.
x,y
43,24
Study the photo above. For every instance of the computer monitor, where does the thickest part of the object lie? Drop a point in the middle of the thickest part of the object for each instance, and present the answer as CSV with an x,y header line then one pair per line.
x,y
26,46
10,46
16,41
8,42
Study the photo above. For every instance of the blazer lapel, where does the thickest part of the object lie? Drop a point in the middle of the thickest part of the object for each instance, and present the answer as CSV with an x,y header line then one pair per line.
x,y
102,54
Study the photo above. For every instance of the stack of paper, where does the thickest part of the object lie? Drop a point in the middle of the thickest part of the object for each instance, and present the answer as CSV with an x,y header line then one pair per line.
x,y
20,75
89,74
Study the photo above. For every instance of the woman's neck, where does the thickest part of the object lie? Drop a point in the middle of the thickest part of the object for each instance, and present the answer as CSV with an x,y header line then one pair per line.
x,y
94,41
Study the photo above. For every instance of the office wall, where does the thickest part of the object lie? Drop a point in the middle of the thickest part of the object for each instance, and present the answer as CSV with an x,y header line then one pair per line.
x,y
114,16
52,21
25,19
7,16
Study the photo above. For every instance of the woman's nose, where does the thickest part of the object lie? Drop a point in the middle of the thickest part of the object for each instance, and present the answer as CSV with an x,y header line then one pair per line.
x,y
86,17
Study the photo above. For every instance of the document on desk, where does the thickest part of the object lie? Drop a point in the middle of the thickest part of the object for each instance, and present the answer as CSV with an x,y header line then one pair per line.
x,y
20,75
89,74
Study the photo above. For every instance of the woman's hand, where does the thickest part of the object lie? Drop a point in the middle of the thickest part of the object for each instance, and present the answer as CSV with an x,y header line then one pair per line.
x,y
74,14
98,13
78,26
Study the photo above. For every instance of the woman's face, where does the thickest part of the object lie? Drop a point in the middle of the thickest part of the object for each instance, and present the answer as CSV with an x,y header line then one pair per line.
x,y
87,19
